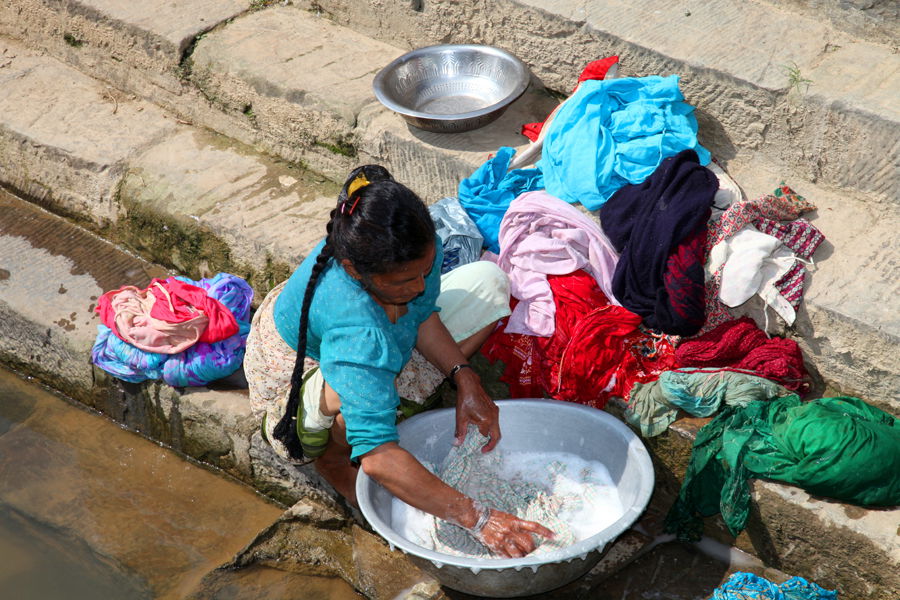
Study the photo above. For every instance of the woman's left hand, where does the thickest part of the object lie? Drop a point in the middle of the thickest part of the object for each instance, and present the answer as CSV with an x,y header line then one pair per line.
x,y
475,407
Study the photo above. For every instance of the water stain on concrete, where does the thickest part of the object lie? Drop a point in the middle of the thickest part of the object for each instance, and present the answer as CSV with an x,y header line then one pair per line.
x,y
60,238
854,512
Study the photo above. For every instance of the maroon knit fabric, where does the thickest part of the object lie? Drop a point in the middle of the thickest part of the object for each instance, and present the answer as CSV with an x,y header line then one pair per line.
x,y
740,344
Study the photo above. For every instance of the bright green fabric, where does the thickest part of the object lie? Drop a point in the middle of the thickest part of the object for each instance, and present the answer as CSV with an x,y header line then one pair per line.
x,y
700,392
841,448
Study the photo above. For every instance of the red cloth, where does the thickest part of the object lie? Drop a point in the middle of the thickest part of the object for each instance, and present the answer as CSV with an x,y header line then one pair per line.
x,y
177,301
167,317
684,280
740,344
596,351
594,70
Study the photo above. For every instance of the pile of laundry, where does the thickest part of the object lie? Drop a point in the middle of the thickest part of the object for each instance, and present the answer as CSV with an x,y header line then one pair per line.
x,y
182,331
602,300
632,295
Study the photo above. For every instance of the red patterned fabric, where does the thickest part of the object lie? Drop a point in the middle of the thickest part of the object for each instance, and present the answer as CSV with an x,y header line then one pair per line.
x,y
684,279
597,350
741,345
782,205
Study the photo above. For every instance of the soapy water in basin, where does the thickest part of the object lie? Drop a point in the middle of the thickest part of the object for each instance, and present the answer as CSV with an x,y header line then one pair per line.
x,y
564,492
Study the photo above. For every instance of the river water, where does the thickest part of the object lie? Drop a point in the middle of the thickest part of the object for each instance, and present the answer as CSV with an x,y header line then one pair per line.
x,y
89,510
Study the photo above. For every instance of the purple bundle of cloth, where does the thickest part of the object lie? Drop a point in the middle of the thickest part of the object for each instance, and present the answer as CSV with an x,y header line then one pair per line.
x,y
196,366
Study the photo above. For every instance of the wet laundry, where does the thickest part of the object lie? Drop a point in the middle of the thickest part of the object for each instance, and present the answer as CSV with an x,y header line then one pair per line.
x,y
573,497
741,344
199,363
598,69
841,448
615,132
658,226
654,405
748,586
777,215
167,317
541,235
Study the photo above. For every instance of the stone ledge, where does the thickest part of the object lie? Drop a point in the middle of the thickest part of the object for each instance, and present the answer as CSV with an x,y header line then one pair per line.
x,y
750,95
202,203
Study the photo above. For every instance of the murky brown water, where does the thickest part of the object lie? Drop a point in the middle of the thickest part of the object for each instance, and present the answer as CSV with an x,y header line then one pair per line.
x,y
89,510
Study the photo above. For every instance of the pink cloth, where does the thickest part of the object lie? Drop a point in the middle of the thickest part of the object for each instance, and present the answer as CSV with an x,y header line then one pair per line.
x,y
167,318
542,235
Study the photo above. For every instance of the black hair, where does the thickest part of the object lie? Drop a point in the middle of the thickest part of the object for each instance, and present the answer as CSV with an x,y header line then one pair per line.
x,y
377,224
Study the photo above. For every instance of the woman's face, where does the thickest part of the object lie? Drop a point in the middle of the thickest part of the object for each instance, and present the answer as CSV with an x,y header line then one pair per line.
x,y
403,283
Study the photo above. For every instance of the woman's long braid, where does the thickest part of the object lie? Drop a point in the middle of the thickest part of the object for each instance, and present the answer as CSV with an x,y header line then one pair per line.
x,y
286,429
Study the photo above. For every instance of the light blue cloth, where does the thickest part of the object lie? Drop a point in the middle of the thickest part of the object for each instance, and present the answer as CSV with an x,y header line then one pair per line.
x,y
747,586
614,132
488,192
359,350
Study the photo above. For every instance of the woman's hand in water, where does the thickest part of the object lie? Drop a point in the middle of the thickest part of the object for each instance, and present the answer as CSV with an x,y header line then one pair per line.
x,y
475,407
509,536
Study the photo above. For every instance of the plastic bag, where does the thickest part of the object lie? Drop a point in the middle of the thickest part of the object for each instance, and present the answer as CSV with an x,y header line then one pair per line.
x,y
460,237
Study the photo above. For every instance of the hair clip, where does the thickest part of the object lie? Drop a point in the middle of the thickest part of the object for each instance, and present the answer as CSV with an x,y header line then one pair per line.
x,y
358,183
344,205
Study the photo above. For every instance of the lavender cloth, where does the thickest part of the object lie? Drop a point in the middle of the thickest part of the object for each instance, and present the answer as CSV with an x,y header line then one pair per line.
x,y
645,222
542,235
199,364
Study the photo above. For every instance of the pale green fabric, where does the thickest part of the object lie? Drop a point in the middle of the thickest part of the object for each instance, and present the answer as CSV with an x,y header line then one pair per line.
x,y
699,392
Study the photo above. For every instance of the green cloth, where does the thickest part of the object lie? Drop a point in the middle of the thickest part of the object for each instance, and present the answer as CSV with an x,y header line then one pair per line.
x,y
840,448
700,392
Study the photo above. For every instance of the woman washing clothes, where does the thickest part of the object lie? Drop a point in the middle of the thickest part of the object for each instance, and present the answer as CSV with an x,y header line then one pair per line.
x,y
365,319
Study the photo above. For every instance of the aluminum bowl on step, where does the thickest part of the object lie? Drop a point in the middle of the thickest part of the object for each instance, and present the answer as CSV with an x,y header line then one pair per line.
x,y
451,88
527,426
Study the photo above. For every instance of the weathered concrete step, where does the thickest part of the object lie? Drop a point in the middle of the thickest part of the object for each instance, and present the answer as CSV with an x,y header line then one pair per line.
x,y
839,546
874,20
182,195
750,91
266,74
139,34
202,203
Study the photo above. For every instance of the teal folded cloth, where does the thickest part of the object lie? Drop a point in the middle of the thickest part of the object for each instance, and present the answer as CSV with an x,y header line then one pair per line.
x,y
699,392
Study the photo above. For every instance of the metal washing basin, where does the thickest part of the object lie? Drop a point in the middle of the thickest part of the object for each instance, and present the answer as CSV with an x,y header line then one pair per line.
x,y
527,425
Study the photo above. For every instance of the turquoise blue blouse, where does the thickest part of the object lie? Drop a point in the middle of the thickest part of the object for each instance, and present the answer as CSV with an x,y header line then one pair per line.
x,y
359,350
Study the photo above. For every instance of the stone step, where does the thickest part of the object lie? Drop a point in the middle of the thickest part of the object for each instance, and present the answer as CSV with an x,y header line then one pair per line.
x,y
839,546
840,130
268,77
875,20
200,202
